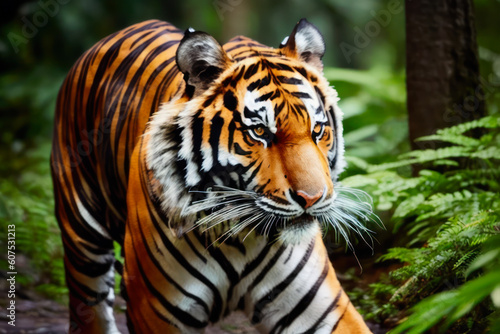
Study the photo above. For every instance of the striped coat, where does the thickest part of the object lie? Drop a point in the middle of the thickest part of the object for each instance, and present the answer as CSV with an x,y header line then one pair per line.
x,y
214,168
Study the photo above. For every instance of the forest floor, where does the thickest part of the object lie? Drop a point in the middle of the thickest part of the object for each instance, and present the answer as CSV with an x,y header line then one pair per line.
x,y
49,317
42,316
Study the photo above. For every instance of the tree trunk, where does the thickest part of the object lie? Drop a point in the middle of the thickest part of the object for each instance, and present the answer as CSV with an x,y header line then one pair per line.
x,y
442,75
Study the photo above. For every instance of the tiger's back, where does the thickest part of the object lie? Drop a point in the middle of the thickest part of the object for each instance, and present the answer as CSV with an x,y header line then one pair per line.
x,y
102,109
100,157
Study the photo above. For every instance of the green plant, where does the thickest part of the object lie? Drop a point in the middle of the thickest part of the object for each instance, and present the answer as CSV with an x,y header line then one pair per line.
x,y
375,121
466,307
446,219
26,201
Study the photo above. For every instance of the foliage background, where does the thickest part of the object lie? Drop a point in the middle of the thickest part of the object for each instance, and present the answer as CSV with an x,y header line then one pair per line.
x,y
369,81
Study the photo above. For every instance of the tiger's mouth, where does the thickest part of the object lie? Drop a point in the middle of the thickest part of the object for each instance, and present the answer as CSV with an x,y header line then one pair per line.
x,y
301,220
277,225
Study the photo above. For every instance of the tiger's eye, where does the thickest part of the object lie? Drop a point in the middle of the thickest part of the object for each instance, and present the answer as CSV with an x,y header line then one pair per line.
x,y
259,131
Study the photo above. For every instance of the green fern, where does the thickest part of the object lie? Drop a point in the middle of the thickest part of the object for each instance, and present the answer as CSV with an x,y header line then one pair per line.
x,y
447,219
27,202
488,122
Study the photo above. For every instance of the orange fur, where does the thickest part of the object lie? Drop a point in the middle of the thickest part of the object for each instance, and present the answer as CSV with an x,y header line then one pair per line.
x,y
106,188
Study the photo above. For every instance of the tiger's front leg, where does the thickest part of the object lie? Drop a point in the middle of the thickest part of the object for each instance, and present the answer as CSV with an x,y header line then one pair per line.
x,y
88,263
300,293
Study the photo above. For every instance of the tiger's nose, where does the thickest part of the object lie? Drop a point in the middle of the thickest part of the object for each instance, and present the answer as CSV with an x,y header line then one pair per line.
x,y
304,199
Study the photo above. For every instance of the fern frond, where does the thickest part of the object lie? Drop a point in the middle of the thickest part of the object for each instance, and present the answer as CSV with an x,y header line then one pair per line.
x,y
409,206
453,220
446,162
466,259
422,156
487,153
488,122
446,307
453,139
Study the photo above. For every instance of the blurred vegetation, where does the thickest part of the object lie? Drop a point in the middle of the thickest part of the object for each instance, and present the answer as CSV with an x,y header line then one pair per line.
x,y
442,225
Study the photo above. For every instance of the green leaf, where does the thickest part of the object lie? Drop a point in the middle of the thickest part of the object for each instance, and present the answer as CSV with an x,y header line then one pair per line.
x,y
454,139
451,304
495,296
482,260
360,134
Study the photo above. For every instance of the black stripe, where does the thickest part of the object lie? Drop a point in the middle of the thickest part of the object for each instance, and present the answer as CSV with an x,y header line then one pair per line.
x,y
268,267
240,151
161,316
276,208
301,95
164,273
264,97
239,45
89,296
229,270
209,100
303,304
261,188
236,243
278,108
175,253
252,69
181,315
320,94
259,83
251,266
230,137
193,248
80,262
289,80
230,101
254,173
334,328
333,120
237,78
280,66
302,71
289,255
197,131
215,132
333,305
278,289
253,113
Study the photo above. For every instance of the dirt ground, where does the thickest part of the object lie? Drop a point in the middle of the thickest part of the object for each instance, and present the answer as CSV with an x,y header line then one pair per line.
x,y
49,317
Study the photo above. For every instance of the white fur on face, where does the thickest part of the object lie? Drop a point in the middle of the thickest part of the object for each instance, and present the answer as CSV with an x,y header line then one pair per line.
x,y
314,106
331,97
264,109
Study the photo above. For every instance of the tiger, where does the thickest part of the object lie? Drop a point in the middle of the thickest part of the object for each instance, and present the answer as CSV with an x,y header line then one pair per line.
x,y
215,168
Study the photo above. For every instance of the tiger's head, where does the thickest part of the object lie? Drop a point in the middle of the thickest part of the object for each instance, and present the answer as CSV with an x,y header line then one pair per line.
x,y
255,141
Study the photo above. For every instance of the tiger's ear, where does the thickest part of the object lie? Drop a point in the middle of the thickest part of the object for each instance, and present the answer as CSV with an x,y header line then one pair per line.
x,y
201,58
306,44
